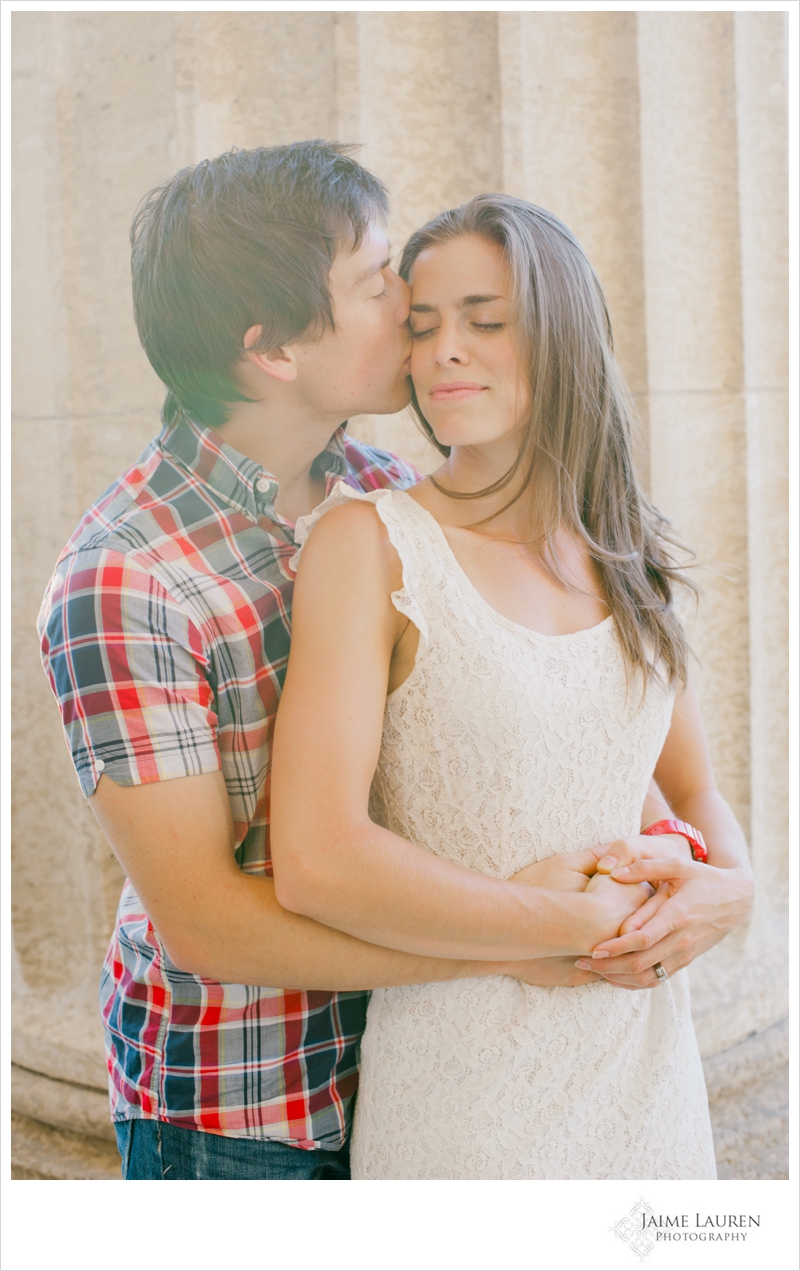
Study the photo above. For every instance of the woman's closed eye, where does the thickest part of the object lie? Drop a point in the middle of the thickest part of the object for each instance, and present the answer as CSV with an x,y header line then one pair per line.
x,y
487,327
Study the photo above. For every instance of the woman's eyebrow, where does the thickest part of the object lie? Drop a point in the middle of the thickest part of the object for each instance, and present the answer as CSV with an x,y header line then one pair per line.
x,y
467,303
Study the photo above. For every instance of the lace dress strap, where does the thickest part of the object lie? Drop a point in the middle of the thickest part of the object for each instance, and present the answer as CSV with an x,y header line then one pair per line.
x,y
394,513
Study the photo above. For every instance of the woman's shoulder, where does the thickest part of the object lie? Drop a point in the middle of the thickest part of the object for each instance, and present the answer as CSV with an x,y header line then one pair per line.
x,y
353,531
355,519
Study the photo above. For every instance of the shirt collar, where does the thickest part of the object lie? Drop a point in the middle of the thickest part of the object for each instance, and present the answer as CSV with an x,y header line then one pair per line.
x,y
331,463
238,480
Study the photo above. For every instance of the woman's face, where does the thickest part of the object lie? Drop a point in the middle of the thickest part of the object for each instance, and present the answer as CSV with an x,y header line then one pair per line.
x,y
464,365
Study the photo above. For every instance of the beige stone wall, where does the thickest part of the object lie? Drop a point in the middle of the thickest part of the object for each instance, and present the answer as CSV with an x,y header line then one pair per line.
x,y
659,137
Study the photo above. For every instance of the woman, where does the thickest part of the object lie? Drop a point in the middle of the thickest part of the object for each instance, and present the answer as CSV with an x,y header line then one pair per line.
x,y
530,657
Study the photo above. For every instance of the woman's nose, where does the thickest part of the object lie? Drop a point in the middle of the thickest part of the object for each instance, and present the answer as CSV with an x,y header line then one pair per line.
x,y
449,350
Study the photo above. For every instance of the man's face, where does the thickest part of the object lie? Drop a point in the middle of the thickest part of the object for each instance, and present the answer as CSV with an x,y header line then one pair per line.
x,y
362,366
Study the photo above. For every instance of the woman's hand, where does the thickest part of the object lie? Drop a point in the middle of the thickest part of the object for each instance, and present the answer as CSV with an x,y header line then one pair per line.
x,y
612,904
623,853
696,905
701,905
569,871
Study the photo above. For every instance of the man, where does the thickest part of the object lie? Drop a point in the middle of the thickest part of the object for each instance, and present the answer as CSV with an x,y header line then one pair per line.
x,y
265,302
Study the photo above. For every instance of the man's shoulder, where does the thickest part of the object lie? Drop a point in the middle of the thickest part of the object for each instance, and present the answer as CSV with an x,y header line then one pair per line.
x,y
123,556
120,543
132,496
370,468
140,514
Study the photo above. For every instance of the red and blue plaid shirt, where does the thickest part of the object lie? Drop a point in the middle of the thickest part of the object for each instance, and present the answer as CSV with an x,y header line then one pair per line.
x,y
165,633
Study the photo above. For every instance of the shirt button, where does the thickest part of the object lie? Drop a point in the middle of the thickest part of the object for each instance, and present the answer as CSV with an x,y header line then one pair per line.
x,y
263,485
100,764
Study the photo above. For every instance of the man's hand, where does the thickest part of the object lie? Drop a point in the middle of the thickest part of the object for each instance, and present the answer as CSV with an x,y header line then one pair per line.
x,y
659,847
695,906
569,871
641,847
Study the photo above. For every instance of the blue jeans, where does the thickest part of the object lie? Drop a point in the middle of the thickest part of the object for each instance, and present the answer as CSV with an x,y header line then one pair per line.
x,y
154,1149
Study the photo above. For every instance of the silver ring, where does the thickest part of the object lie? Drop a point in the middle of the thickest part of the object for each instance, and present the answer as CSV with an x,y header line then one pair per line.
x,y
661,973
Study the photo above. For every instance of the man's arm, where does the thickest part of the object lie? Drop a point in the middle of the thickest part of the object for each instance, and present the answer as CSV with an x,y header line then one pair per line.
x,y
174,840
331,861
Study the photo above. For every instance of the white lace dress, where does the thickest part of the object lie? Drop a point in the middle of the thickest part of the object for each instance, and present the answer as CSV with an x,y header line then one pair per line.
x,y
501,748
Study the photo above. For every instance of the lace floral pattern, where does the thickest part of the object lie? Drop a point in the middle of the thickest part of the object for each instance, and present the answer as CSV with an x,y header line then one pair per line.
x,y
504,747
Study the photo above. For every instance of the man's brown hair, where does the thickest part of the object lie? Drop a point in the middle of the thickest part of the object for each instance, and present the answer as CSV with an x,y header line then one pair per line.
x,y
246,239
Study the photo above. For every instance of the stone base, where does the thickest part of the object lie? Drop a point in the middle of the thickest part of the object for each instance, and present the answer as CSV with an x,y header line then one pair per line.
x,y
41,1151
748,1097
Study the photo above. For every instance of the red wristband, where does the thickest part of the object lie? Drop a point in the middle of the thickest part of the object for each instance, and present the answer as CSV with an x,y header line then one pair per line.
x,y
693,837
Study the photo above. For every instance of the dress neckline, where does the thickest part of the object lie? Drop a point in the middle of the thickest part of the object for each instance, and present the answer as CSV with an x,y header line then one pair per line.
x,y
467,582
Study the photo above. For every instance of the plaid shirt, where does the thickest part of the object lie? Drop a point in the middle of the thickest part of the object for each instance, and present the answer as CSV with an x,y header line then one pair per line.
x,y
165,633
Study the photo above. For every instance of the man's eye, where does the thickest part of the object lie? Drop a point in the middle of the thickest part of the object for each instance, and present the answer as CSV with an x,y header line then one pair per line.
x,y
418,335
488,326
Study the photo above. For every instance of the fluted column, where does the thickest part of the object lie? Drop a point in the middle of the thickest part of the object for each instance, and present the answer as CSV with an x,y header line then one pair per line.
x,y
84,404
570,114
695,304
421,91
763,219
694,338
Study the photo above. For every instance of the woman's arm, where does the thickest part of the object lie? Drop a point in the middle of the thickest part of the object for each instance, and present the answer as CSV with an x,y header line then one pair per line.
x,y
174,839
706,901
331,862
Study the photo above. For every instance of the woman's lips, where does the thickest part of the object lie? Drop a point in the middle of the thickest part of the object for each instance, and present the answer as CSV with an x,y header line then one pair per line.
x,y
455,391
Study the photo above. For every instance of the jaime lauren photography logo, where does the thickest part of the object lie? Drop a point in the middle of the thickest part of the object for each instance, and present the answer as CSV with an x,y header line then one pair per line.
x,y
642,1228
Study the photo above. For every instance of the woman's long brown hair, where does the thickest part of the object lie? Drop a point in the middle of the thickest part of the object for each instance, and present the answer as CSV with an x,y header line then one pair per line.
x,y
576,452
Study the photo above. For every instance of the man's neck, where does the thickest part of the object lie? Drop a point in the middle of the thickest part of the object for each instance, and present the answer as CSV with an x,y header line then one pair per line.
x,y
285,443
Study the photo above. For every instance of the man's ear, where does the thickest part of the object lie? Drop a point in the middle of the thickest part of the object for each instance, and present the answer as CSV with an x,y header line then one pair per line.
x,y
279,362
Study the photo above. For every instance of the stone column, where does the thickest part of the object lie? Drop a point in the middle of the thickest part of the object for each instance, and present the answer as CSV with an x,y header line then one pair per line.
x,y
570,113
84,404
694,166
433,78
763,218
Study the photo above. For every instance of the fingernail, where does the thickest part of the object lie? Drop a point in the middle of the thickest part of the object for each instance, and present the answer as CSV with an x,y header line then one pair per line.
x,y
584,966
607,863
623,869
602,953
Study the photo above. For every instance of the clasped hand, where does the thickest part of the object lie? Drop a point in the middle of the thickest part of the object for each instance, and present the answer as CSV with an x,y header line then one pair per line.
x,y
691,906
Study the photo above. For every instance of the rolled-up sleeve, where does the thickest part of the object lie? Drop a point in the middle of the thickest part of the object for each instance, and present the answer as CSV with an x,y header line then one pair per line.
x,y
129,671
